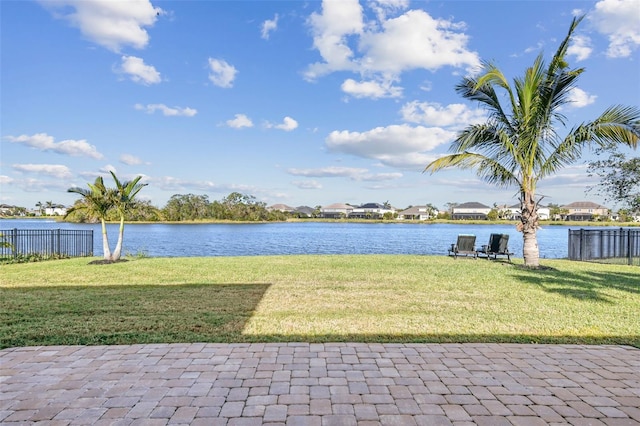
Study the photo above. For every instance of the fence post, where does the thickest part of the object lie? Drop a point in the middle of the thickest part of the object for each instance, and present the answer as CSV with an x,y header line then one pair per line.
x,y
629,251
582,244
14,238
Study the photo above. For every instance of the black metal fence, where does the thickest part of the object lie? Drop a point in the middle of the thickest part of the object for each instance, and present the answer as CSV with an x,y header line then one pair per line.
x,y
605,245
46,243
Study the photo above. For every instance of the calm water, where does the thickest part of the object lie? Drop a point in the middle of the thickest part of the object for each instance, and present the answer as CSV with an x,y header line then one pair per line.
x,y
164,240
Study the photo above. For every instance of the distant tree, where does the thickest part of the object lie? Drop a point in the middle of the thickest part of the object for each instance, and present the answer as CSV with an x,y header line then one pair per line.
x,y
124,200
557,212
619,178
40,207
432,211
520,143
450,206
96,203
143,210
187,207
493,214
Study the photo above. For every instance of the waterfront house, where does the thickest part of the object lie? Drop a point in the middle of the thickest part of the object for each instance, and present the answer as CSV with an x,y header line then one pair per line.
x,y
585,210
514,213
471,210
55,210
304,211
336,211
281,207
418,213
371,211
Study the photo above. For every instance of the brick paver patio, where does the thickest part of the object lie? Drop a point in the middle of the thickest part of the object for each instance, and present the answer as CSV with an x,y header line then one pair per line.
x,y
321,384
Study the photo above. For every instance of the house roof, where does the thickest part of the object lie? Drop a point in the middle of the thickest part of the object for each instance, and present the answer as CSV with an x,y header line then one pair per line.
x,y
584,205
281,207
414,210
371,206
472,205
338,206
305,209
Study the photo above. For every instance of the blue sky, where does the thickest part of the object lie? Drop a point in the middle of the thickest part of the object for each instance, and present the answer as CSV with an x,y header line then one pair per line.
x,y
301,103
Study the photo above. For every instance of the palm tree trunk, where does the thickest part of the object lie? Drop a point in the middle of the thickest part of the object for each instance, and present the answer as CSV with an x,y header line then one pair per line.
x,y
118,250
106,252
529,222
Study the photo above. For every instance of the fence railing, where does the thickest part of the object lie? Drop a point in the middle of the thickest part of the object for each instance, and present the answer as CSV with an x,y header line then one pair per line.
x,y
46,243
605,245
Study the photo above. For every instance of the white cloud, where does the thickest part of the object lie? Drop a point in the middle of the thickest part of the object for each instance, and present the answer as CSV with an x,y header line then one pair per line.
x,y
108,168
6,179
386,47
54,170
170,183
130,160
333,171
44,142
434,114
416,40
330,30
401,146
384,7
619,20
167,111
580,47
268,26
111,24
353,173
288,124
138,71
306,184
371,89
578,98
240,121
221,73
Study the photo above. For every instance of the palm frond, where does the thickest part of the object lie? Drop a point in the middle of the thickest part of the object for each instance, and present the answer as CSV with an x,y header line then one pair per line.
x,y
487,168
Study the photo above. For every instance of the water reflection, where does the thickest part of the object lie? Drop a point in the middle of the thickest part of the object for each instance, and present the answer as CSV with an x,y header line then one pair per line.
x,y
168,240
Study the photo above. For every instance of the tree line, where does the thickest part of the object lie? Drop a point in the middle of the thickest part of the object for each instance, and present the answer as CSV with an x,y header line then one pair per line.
x,y
185,207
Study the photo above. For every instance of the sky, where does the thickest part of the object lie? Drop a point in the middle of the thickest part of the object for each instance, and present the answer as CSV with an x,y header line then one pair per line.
x,y
292,102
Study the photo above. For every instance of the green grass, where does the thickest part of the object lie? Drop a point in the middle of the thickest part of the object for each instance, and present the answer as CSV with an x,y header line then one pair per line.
x,y
373,298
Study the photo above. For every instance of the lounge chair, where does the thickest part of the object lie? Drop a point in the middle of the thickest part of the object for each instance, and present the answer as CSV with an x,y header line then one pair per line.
x,y
465,246
498,246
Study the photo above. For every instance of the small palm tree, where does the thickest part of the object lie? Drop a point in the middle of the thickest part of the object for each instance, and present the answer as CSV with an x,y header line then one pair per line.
x,y
124,199
519,143
97,201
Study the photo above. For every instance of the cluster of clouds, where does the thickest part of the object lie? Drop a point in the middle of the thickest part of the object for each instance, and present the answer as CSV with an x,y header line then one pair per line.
x,y
372,47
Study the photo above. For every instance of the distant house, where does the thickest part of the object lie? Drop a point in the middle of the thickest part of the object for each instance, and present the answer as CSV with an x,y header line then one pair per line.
x,y
6,209
371,211
336,211
281,208
584,210
304,211
514,213
55,210
472,210
418,213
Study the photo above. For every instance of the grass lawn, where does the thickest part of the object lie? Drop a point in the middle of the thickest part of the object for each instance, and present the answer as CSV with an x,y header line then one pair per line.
x,y
366,298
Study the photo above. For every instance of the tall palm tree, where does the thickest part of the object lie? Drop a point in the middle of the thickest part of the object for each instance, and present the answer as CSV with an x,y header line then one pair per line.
x,y
124,198
519,144
97,201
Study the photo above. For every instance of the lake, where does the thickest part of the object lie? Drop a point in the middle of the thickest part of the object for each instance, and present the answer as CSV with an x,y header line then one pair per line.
x,y
172,240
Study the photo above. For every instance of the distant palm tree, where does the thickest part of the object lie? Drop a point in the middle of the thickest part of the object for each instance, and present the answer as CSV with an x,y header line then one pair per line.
x,y
519,143
124,199
97,201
